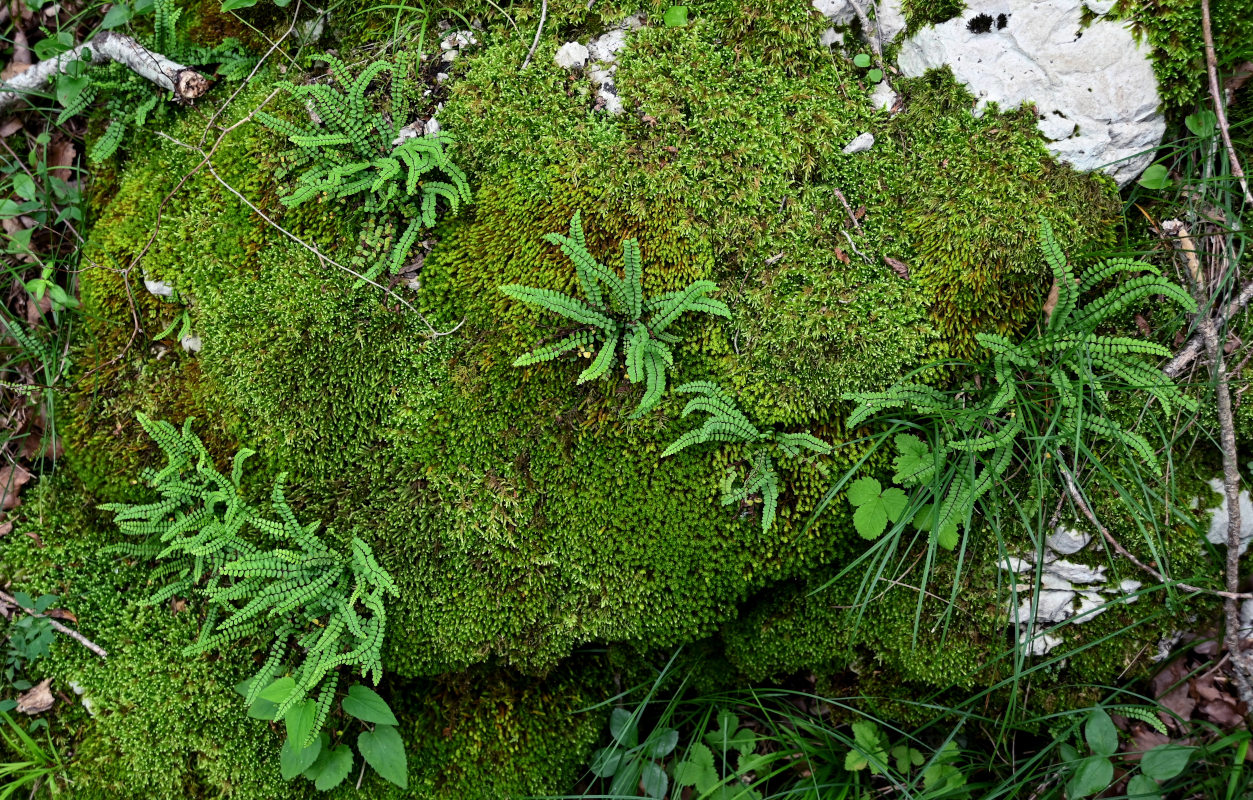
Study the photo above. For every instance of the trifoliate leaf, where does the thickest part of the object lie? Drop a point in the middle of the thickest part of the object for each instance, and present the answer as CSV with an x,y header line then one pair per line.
x,y
697,769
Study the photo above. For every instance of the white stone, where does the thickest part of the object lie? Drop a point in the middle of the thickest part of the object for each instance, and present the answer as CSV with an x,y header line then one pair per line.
x,y
1039,645
606,47
1218,522
1050,581
1129,586
158,288
431,127
1091,605
1067,540
458,40
571,55
838,12
1075,573
1055,127
830,37
1098,77
883,97
600,76
440,77
1015,564
887,18
1049,607
864,141
190,343
612,105
1246,619
1100,7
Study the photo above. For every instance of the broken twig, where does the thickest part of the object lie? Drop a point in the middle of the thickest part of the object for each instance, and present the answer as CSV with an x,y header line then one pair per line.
x,y
56,626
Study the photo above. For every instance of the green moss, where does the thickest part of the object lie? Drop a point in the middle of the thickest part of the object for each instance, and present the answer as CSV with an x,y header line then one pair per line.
x,y
921,13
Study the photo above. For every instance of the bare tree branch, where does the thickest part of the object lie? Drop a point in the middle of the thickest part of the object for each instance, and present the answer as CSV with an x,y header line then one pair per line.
x,y
184,82
1216,92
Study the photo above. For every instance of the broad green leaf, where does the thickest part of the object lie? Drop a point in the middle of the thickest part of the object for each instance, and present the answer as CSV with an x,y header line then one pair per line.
x,y
656,782
861,60
119,14
863,490
605,762
1165,761
294,759
913,456
382,749
894,501
324,756
26,189
263,709
1092,775
949,537
1141,787
874,76
232,5
626,780
1100,733
854,761
675,17
870,520
661,743
337,767
943,778
1202,123
624,727
729,736
1155,177
300,720
365,704
144,6
697,769
279,690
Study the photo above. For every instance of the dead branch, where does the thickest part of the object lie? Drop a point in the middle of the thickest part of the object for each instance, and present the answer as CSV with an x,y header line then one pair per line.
x,y
1077,498
184,82
1175,367
56,626
1216,92
1242,668
543,14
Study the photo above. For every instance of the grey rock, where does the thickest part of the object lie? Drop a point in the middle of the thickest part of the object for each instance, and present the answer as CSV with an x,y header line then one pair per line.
x,y
1067,540
571,55
1218,521
864,141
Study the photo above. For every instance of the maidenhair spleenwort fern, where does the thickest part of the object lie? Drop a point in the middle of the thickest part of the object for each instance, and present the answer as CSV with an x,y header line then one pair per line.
x,y
726,423
619,316
265,575
369,150
1068,367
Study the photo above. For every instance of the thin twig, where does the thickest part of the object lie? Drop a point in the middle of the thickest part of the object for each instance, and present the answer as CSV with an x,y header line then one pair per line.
x,y
1216,92
543,14
1082,505
1196,345
56,626
848,208
1231,487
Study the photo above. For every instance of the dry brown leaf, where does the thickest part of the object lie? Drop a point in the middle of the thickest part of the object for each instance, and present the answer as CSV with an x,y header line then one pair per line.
x,y
6,528
1050,302
63,614
898,266
9,127
1143,325
21,60
37,311
1143,739
37,699
12,478
61,156
840,255
178,605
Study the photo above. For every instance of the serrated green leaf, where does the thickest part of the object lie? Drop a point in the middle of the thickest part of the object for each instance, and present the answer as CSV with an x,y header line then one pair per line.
x,y
337,767
870,520
863,490
365,704
894,502
383,750
294,759
913,456
697,769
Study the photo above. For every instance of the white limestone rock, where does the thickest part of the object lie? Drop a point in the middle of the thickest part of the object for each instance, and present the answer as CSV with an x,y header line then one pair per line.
x,y
1091,605
1075,573
1098,78
883,97
1040,644
571,55
1067,541
831,37
838,12
864,141
886,17
605,48
1218,521
191,343
158,288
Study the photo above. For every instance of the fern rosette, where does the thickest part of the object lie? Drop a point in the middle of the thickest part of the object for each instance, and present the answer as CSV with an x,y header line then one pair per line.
x,y
616,316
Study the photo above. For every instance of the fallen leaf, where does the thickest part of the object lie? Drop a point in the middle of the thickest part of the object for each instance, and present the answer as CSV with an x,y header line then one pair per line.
x,y
63,613
21,60
1143,325
898,266
61,156
1143,739
1050,302
841,255
6,529
9,127
36,700
178,605
12,478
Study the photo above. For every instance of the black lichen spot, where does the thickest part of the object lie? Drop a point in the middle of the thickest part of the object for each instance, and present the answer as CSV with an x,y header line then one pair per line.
x,y
1001,21
981,23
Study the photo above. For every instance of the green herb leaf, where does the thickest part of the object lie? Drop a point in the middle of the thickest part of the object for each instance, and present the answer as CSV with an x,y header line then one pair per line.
x,y
655,780
1202,123
861,60
675,17
383,749
233,5
118,15
1100,733
874,76
697,769
337,767
1141,787
1165,761
365,704
661,743
1155,177
294,759
1093,775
